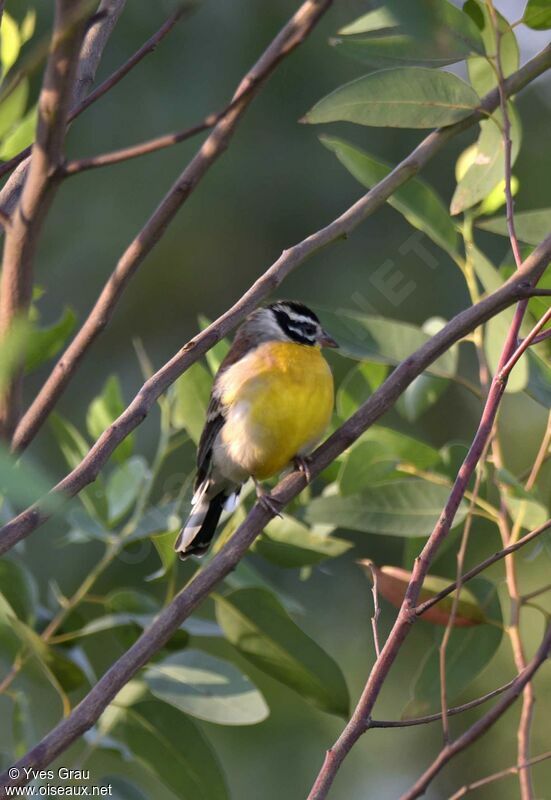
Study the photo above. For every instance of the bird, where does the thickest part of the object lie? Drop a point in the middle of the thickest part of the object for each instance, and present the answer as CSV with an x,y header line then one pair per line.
x,y
271,402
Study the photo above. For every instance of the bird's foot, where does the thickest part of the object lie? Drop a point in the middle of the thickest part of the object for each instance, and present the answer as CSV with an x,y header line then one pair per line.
x,y
302,463
265,499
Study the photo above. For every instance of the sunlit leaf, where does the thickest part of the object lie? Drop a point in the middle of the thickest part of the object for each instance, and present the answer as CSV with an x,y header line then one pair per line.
x,y
397,508
481,72
408,97
103,411
537,15
10,42
45,343
216,354
497,197
12,109
207,688
360,382
255,622
288,543
416,200
21,135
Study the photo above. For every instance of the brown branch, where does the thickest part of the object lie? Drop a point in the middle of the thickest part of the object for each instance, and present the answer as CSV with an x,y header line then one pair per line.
x,y
482,725
497,776
26,223
10,192
290,37
170,619
472,573
526,342
451,712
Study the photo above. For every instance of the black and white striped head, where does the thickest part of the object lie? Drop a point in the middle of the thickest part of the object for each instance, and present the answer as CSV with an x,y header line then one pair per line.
x,y
290,321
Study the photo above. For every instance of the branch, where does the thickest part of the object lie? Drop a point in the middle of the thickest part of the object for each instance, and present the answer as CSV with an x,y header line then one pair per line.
x,y
504,773
472,573
169,620
290,37
482,725
525,344
26,223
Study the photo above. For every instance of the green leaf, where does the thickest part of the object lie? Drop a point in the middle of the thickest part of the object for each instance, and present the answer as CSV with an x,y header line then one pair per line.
x,y
74,448
207,688
429,33
365,464
10,42
495,334
388,341
523,506
397,508
497,197
288,543
416,200
216,354
537,15
408,97
103,411
399,447
12,350
13,108
191,398
539,379
173,748
121,789
488,167
164,545
420,395
21,135
22,483
481,72
255,622
531,226
27,27
124,486
46,342
360,382
469,651
19,588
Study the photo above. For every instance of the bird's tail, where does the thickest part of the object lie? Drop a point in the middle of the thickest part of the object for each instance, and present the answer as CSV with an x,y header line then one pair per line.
x,y
195,537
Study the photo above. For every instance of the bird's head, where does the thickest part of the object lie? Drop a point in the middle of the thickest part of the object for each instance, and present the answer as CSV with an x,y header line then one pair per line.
x,y
290,321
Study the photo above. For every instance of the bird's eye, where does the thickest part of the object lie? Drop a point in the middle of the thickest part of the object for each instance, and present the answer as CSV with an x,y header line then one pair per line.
x,y
308,330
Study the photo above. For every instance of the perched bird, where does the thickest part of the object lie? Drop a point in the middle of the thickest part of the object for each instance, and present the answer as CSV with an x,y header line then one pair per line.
x,y
271,401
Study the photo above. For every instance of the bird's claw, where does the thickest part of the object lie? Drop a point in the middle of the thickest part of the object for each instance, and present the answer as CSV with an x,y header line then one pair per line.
x,y
265,499
302,463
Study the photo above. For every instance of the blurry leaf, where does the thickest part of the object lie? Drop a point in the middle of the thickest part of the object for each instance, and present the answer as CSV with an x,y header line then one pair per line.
x,y
420,395
21,483
523,506
496,331
13,347
164,545
372,338
19,588
174,749
398,508
131,600
469,651
21,135
488,275
124,485
488,167
245,576
428,33
27,27
255,622
537,15
157,519
10,42
539,379
191,398
358,385
288,543
46,342
398,446
452,456
23,730
13,108
365,464
497,198
103,411
416,200
407,97
481,73
85,528
392,583
74,448
531,226
216,354
207,688
122,789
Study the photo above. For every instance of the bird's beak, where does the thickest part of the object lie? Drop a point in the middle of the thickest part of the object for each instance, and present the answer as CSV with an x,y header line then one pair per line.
x,y
327,341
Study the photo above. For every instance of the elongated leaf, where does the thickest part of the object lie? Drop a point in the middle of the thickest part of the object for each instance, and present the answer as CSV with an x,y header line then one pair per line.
x,y
388,341
367,463
288,543
481,72
416,200
174,749
19,588
256,623
488,168
469,651
420,395
12,349
103,411
121,789
539,379
46,342
392,583
398,508
531,226
124,485
399,446
207,688
191,398
427,33
408,97
21,135
537,15
22,483
216,354
10,42
358,385
13,107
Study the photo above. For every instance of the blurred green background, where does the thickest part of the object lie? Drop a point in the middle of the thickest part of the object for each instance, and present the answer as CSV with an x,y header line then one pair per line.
x,y
275,185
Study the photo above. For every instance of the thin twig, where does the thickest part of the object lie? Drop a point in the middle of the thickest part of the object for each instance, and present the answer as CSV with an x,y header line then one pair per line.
x,y
482,725
212,148
21,236
376,608
526,342
497,776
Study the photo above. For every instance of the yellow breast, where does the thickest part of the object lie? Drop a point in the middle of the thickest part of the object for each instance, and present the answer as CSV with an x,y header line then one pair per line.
x,y
279,400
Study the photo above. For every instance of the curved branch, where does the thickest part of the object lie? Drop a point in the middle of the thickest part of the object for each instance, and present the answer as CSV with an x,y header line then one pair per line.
x,y
290,37
202,584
